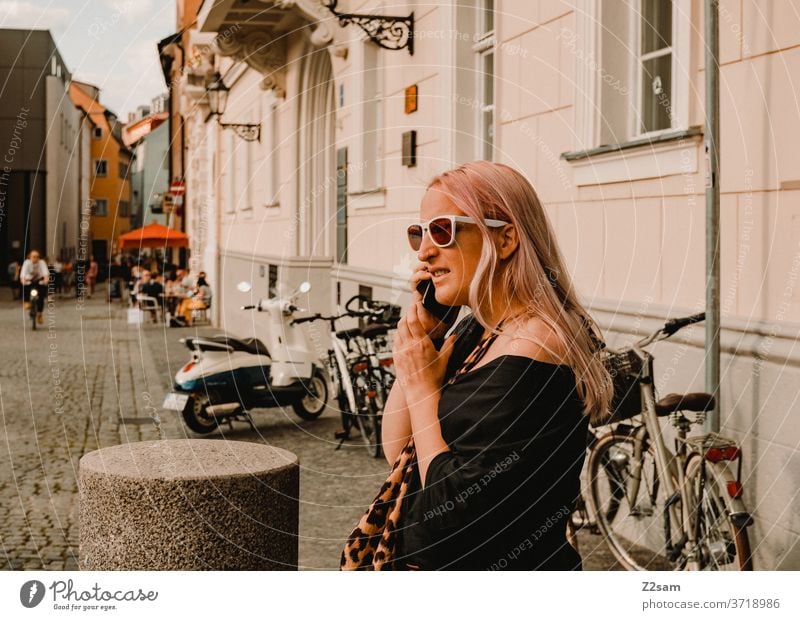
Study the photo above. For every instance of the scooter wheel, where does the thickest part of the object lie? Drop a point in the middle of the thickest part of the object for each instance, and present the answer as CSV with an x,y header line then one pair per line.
x,y
313,403
197,417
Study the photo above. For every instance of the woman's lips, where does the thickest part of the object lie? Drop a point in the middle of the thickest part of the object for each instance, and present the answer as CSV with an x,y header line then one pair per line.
x,y
438,274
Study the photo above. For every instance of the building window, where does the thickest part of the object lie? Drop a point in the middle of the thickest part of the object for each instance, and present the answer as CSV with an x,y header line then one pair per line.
x,y
371,107
272,286
641,86
226,173
483,47
100,207
123,169
249,153
341,205
97,132
654,66
100,168
124,209
273,192
474,93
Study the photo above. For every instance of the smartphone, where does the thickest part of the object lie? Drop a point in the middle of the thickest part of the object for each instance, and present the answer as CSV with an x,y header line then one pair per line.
x,y
444,313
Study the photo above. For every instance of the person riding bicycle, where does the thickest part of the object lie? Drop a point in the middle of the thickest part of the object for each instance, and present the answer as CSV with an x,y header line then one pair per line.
x,y
488,433
34,274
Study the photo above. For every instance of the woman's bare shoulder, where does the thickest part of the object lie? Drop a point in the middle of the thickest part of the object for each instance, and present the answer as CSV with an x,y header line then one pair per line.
x,y
532,338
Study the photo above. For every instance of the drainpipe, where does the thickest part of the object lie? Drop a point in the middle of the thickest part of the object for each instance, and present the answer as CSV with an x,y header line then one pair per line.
x,y
215,165
185,198
712,210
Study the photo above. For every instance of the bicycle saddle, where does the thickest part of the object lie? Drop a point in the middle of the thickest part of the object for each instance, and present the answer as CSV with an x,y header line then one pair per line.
x,y
346,334
695,401
378,329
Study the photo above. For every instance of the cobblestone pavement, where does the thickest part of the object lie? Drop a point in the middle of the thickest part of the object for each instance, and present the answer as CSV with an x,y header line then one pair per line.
x,y
86,380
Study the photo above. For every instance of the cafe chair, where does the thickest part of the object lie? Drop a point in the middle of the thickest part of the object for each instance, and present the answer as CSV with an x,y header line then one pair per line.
x,y
201,314
148,304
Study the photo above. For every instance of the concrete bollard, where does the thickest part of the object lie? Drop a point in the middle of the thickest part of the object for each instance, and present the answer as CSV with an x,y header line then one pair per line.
x,y
189,504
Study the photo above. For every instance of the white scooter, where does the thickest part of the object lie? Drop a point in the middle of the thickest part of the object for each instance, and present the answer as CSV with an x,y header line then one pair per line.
x,y
228,376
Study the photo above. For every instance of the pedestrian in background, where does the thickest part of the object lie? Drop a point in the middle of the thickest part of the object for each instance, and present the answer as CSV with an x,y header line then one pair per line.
x,y
58,282
34,274
199,298
13,278
67,276
91,276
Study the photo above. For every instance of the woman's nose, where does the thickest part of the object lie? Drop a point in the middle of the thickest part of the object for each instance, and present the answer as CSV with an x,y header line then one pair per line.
x,y
427,248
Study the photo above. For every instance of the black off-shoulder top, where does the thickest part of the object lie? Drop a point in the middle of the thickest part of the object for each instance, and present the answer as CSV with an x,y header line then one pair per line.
x,y
500,498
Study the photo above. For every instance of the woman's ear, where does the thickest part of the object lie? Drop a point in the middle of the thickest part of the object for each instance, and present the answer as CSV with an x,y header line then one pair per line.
x,y
508,241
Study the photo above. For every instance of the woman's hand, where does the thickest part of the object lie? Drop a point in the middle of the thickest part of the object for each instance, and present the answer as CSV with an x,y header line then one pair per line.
x,y
419,366
433,327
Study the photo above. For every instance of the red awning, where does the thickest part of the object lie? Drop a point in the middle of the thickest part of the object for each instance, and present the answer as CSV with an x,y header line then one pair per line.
x,y
153,236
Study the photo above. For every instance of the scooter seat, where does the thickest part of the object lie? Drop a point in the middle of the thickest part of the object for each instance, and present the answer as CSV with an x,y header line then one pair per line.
x,y
248,345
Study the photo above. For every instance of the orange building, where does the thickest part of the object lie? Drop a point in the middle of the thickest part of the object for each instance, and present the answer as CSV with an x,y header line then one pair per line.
x,y
110,188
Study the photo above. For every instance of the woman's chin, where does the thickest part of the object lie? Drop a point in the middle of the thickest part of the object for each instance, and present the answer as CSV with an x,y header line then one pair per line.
x,y
445,297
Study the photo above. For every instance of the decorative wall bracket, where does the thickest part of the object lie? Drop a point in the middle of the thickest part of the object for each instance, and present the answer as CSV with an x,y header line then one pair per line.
x,y
217,96
247,132
390,32
262,52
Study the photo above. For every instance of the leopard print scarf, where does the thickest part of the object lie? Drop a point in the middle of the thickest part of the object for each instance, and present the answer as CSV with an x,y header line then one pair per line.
x,y
371,545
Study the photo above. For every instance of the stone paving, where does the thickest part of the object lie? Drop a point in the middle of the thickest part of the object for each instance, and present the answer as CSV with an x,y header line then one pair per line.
x,y
65,390
86,380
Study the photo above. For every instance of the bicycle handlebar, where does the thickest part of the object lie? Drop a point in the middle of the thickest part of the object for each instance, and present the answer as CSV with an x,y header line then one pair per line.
x,y
668,329
319,317
368,306
673,325
373,310
306,319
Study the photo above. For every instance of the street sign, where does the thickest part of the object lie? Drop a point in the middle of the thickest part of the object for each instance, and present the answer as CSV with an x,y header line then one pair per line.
x,y
177,188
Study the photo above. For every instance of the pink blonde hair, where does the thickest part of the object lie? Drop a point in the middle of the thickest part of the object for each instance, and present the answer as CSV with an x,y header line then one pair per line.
x,y
535,272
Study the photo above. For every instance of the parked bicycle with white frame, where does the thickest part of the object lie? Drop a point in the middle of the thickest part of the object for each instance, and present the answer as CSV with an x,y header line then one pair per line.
x,y
359,364
658,509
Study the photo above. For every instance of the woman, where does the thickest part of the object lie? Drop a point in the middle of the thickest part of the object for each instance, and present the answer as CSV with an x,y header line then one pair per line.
x,y
199,299
91,275
13,278
498,416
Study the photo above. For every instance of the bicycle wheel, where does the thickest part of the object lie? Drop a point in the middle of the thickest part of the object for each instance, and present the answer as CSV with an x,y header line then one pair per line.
x,y
722,544
341,397
348,420
633,526
368,415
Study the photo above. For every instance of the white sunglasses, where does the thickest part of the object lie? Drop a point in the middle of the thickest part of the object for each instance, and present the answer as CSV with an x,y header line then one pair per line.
x,y
442,230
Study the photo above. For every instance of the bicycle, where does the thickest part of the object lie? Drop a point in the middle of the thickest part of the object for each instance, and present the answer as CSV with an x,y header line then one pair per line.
x,y
358,365
37,296
377,362
370,368
657,509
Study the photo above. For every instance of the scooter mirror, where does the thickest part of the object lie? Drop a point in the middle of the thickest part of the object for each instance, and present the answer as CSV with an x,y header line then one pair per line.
x,y
304,287
244,287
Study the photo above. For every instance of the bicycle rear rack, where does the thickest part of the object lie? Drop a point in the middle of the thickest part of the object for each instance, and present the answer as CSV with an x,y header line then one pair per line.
x,y
702,443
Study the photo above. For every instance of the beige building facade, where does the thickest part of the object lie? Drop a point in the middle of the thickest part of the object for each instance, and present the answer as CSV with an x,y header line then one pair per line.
x,y
598,103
